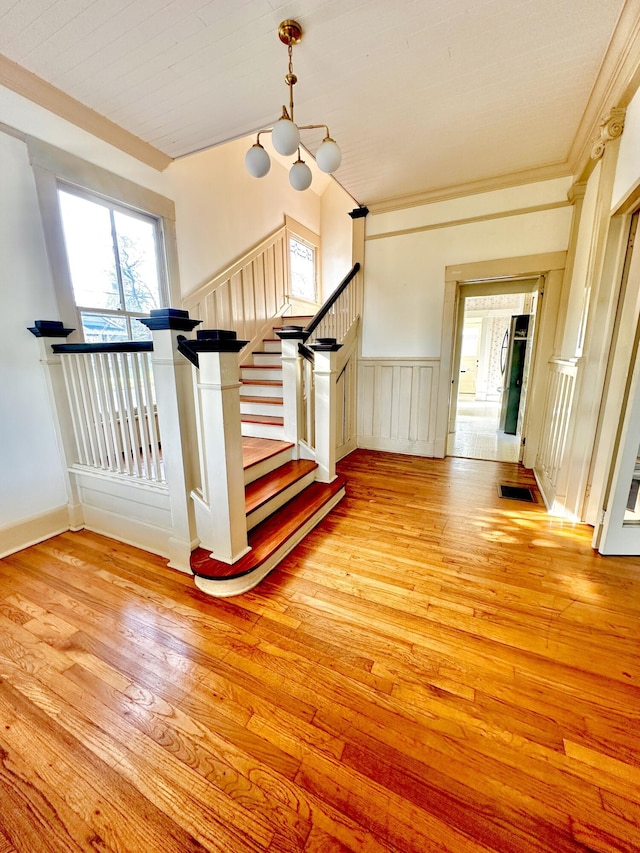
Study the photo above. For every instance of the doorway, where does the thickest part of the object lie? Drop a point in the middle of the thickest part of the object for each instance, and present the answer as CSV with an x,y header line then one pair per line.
x,y
492,360
617,531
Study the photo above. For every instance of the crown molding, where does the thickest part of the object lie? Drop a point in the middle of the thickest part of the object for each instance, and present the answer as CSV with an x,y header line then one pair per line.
x,y
615,85
30,86
498,182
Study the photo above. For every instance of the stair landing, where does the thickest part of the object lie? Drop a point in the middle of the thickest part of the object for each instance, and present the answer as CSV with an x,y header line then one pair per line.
x,y
255,450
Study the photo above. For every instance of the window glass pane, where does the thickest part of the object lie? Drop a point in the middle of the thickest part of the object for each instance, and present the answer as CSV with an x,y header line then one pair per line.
x,y
138,262
87,233
99,328
139,332
302,263
632,515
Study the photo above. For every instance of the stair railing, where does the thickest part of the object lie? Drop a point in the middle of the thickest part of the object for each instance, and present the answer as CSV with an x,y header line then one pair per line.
x,y
320,391
123,416
338,313
111,391
246,295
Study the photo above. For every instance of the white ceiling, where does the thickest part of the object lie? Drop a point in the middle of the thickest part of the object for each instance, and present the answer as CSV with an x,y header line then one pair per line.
x,y
419,94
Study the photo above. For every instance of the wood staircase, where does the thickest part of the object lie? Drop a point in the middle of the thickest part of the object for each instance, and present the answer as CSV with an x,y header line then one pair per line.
x,y
283,501
261,392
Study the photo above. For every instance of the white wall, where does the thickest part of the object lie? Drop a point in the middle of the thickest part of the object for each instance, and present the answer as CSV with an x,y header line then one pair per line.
x,y
406,253
31,475
628,166
404,278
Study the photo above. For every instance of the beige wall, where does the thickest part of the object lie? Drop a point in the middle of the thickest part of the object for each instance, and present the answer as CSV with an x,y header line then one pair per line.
x,y
221,211
336,230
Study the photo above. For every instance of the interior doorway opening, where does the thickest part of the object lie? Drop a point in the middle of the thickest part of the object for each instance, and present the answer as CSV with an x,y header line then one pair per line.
x,y
492,362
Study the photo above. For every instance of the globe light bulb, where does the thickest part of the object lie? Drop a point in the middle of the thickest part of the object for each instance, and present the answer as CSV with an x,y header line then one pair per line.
x,y
300,176
285,137
257,161
328,156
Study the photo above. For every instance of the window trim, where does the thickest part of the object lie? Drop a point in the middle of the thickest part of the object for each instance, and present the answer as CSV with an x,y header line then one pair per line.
x,y
51,167
115,206
303,235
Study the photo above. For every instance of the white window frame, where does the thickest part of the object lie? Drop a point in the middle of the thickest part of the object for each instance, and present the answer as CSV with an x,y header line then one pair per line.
x,y
54,169
111,205
299,232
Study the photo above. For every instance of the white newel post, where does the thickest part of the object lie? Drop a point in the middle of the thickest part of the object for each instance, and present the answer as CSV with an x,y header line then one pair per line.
x,y
49,333
176,419
292,383
220,512
325,374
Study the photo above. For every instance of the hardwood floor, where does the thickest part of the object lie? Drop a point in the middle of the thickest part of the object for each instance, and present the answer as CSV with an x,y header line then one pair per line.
x,y
433,669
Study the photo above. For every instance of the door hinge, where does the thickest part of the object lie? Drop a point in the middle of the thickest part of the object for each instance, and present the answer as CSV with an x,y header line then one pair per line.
x,y
603,514
524,440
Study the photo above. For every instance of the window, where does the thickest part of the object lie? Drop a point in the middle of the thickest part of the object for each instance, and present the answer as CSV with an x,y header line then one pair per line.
x,y
302,269
115,265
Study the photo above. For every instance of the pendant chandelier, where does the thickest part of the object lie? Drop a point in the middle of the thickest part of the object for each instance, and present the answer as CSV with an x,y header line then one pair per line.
x,y
285,134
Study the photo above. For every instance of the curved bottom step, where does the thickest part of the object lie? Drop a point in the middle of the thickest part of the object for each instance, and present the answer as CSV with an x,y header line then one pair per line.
x,y
270,542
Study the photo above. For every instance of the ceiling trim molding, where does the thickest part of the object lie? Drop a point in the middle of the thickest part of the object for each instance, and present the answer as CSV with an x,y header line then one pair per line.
x,y
30,86
498,182
615,85
470,220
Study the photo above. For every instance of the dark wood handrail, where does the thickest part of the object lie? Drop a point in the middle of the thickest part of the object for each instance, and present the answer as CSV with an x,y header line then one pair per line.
x,y
322,313
111,346
305,352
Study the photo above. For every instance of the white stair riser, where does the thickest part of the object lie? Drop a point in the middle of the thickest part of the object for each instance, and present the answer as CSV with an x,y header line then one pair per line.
x,y
262,390
298,320
252,408
260,373
235,586
260,513
263,358
272,346
251,430
266,466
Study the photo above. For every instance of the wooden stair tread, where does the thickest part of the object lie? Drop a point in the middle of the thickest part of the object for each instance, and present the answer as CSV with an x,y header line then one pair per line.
x,y
267,487
270,534
262,419
261,367
269,401
256,450
271,382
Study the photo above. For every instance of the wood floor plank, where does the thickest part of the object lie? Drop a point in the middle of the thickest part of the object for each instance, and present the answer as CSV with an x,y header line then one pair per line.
x,y
432,669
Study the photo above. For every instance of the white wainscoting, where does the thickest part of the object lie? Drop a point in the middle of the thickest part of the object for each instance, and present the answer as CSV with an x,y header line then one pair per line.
x,y
135,512
397,401
561,385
